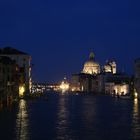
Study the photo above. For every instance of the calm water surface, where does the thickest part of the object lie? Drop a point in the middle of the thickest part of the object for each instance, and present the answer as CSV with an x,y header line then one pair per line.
x,y
71,117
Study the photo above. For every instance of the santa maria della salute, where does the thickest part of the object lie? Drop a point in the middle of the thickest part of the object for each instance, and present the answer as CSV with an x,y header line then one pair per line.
x,y
100,79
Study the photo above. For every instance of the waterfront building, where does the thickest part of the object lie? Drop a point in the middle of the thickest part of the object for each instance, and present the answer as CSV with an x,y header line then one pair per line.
x,y
117,88
39,87
23,60
118,84
107,80
121,89
137,76
45,87
109,87
75,83
9,79
82,82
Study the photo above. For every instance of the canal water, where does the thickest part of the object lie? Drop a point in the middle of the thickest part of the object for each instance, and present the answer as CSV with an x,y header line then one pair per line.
x,y
71,117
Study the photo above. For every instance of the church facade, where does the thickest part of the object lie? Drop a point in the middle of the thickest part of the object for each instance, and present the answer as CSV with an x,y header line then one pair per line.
x,y
100,79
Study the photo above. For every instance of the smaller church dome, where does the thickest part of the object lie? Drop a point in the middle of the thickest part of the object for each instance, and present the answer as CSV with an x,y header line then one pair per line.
x,y
110,67
107,68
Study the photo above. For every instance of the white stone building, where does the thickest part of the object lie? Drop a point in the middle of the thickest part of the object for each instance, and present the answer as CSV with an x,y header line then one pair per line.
x,y
23,60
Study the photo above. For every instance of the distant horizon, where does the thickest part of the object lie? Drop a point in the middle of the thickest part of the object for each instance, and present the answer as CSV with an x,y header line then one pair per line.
x,y
119,70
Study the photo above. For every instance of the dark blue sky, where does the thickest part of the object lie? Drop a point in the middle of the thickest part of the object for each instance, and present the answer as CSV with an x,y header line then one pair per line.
x,y
59,34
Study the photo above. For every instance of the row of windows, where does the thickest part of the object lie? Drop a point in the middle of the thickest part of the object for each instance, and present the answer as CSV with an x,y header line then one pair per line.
x,y
6,70
11,69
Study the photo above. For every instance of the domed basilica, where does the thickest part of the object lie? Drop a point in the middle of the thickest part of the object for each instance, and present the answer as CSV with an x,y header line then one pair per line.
x,y
91,67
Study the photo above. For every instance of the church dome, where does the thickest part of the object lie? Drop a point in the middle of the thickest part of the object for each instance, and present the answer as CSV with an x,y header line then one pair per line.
x,y
110,67
107,68
91,67
91,64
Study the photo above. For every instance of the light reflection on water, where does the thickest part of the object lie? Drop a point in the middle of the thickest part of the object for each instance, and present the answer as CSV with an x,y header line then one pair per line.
x,y
22,122
89,113
62,124
71,117
136,120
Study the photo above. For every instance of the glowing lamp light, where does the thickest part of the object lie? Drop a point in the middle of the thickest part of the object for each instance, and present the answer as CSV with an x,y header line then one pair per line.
x,y
21,91
136,95
64,86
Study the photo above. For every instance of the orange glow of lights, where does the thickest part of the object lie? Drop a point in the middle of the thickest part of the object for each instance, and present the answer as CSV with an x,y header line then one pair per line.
x,y
21,91
64,86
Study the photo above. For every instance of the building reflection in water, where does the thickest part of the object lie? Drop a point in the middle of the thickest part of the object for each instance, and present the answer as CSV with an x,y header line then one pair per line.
x,y
136,120
89,115
62,126
22,122
89,110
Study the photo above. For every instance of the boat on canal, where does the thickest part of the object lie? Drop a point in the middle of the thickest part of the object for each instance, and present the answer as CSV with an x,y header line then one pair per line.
x,y
127,96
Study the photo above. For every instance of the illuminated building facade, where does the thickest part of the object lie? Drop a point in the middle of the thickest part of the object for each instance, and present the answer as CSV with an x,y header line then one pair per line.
x,y
64,86
121,89
117,88
23,60
117,84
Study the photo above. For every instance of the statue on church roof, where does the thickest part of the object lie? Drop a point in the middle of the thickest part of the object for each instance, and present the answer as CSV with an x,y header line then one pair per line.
x,y
91,56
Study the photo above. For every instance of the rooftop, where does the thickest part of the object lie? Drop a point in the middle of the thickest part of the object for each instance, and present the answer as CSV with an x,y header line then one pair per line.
x,y
137,60
11,51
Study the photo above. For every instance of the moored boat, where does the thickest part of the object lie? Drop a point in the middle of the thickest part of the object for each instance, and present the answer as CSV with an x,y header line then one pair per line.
x,y
125,96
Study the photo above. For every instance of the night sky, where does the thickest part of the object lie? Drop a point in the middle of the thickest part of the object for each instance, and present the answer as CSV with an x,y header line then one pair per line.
x,y
59,34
